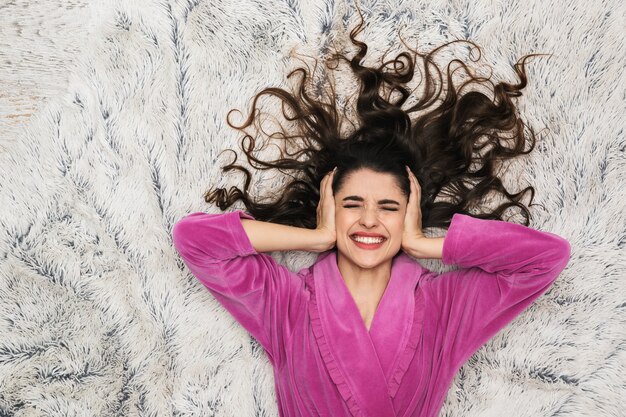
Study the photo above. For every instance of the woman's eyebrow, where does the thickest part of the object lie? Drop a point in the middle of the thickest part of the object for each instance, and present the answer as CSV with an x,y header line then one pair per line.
x,y
383,201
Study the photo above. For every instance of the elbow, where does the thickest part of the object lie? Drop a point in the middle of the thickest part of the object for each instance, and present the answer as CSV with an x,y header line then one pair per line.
x,y
179,231
182,232
202,238
552,261
560,255
563,254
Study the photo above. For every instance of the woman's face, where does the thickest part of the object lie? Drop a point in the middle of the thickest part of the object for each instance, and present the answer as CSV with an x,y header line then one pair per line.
x,y
369,203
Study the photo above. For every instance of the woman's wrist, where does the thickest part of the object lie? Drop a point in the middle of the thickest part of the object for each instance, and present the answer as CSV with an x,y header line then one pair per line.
x,y
426,247
324,240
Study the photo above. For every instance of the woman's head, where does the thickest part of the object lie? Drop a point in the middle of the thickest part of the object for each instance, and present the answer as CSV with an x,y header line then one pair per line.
x,y
370,207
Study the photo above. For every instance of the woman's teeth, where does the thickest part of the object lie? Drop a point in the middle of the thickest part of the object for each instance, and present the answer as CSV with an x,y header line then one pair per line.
x,y
368,240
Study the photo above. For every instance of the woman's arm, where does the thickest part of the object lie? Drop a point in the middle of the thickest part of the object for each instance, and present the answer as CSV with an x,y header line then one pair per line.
x,y
270,237
261,294
224,251
504,268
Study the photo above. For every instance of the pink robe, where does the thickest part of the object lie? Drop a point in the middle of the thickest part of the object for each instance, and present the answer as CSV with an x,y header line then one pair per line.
x,y
326,362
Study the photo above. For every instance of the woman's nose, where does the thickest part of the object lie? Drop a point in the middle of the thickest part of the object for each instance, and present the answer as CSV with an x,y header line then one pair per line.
x,y
369,218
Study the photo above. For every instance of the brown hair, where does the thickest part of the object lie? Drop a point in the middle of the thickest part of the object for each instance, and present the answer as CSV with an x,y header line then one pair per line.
x,y
452,134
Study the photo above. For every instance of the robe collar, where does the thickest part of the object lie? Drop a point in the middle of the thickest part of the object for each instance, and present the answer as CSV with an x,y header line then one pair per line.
x,y
367,367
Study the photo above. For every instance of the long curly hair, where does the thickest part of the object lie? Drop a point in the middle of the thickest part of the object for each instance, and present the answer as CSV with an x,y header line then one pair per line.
x,y
454,146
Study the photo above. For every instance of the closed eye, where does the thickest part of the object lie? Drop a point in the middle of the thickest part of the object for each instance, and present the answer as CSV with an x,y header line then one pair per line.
x,y
384,208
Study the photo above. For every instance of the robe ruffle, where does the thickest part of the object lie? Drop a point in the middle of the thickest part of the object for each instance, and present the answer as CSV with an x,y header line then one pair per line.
x,y
331,364
411,347
402,363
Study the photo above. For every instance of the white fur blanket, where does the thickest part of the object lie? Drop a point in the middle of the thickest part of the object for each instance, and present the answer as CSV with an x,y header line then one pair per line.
x,y
98,316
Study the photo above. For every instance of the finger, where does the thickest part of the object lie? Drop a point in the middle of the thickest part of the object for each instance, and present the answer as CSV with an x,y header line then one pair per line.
x,y
414,199
328,180
325,184
411,178
411,200
415,182
324,189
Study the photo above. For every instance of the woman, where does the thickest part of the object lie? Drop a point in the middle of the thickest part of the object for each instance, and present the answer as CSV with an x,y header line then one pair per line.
x,y
367,330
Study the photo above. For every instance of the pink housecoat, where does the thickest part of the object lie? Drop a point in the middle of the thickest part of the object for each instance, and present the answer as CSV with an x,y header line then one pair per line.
x,y
326,363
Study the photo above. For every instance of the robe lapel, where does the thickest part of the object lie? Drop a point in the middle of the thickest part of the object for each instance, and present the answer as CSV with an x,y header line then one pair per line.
x,y
365,366
395,325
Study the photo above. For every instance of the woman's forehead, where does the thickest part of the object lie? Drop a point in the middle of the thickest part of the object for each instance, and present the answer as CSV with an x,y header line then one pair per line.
x,y
370,185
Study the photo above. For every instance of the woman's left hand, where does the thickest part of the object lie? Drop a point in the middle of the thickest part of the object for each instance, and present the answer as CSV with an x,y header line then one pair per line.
x,y
412,232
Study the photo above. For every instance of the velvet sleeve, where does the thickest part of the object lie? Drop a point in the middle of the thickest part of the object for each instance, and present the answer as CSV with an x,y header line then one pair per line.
x,y
252,286
504,267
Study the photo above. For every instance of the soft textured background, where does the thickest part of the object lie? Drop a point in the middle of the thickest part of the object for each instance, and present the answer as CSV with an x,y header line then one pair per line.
x,y
112,115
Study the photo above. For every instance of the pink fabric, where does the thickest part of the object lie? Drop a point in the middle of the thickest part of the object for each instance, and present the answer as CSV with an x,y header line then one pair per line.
x,y
426,326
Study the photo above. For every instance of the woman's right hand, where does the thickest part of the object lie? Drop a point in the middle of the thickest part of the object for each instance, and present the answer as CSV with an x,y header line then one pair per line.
x,y
326,214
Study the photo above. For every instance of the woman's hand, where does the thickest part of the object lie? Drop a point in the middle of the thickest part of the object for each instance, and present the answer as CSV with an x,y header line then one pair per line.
x,y
412,235
326,214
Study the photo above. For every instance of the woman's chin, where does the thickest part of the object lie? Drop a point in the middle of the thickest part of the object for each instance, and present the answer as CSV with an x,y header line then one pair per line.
x,y
368,260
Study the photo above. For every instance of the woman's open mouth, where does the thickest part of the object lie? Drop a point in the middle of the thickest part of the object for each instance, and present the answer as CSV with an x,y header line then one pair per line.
x,y
364,242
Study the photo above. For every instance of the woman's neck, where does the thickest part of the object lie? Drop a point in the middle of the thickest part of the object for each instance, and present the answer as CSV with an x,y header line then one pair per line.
x,y
366,285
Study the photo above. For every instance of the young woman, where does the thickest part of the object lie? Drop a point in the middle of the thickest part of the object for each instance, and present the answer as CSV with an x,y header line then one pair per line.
x,y
367,330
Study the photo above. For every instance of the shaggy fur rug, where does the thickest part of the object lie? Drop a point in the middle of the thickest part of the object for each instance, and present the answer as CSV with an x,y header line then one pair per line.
x,y
98,315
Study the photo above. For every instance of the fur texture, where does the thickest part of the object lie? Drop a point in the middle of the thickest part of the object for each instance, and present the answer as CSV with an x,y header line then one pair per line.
x,y
98,315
